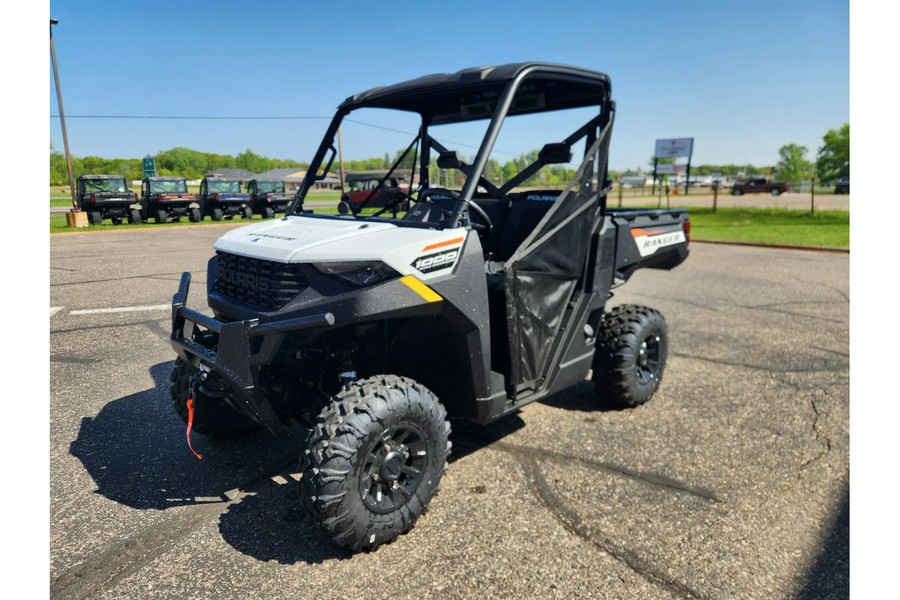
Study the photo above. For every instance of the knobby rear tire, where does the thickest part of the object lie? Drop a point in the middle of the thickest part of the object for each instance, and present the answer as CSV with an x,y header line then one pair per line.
x,y
630,357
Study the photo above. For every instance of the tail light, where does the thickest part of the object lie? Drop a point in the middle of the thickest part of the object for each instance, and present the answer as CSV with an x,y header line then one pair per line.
x,y
268,196
687,229
135,197
93,200
216,197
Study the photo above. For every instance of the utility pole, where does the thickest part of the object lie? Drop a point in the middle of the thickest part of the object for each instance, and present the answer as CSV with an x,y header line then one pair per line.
x,y
75,218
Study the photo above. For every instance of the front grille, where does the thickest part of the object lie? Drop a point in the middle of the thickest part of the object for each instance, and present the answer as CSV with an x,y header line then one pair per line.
x,y
262,284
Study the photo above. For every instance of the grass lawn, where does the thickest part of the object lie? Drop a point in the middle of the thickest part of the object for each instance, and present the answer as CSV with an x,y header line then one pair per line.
x,y
761,225
772,226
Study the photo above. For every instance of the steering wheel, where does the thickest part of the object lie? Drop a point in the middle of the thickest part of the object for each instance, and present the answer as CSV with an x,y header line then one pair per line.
x,y
447,200
486,226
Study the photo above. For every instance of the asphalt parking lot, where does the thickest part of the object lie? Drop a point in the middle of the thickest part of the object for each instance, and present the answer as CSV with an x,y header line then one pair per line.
x,y
733,482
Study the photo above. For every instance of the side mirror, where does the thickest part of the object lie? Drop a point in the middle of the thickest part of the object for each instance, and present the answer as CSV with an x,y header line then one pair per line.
x,y
450,160
555,153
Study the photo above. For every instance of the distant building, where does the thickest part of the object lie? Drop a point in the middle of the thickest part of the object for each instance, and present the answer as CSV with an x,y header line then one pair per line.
x,y
292,176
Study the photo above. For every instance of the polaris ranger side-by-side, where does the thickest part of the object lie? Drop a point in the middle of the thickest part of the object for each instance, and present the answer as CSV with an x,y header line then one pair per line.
x,y
373,330
376,190
107,197
222,198
268,198
165,198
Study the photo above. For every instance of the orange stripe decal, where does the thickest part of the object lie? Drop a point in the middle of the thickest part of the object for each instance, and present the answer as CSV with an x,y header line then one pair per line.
x,y
638,232
442,244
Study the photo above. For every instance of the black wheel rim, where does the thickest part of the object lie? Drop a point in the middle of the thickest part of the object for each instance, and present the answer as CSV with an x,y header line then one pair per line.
x,y
393,468
647,365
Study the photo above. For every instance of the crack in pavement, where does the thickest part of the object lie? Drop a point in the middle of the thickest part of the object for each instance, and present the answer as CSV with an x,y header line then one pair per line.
x,y
793,313
55,358
648,478
829,351
839,291
570,521
106,568
175,275
110,566
678,301
110,325
819,437
825,369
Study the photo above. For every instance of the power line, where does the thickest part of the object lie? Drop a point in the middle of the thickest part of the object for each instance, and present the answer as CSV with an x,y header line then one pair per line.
x,y
206,117
259,118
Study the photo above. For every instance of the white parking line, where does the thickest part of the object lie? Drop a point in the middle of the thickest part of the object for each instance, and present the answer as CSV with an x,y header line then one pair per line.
x,y
98,311
55,309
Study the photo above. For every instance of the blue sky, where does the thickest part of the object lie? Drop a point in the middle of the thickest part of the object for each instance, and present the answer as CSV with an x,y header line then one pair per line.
x,y
741,78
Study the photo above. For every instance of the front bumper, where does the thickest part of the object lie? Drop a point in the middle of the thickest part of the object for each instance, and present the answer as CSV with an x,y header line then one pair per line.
x,y
234,358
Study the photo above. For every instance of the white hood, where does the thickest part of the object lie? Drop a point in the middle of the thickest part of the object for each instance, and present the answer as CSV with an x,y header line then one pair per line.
x,y
282,239
315,240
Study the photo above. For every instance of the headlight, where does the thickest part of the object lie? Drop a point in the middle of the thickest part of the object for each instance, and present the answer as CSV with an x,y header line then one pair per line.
x,y
358,273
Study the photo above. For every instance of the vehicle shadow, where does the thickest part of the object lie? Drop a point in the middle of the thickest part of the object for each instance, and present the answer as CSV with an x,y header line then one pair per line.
x,y
136,452
581,397
829,576
270,525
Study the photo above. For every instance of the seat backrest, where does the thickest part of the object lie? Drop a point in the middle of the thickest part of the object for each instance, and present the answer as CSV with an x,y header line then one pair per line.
x,y
526,211
497,210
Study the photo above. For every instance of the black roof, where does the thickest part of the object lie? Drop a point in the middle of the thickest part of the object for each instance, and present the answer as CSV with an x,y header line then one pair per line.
x,y
166,178
471,94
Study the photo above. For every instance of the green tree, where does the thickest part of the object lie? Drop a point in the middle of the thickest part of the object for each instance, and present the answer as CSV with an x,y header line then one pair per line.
x,y
252,162
58,172
792,164
181,161
833,161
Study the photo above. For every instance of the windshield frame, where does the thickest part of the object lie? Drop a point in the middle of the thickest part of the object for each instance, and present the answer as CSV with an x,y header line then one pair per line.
x,y
91,182
600,96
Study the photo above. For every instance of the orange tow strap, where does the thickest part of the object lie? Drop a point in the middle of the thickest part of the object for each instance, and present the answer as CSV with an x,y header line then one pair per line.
x,y
190,407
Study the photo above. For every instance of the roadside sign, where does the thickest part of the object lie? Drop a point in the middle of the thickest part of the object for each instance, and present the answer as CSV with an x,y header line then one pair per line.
x,y
670,169
673,148
149,166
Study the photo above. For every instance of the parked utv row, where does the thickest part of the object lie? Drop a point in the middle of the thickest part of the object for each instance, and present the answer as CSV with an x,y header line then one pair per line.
x,y
166,199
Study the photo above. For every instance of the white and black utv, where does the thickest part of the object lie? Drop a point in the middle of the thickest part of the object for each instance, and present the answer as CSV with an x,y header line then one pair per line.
x,y
373,329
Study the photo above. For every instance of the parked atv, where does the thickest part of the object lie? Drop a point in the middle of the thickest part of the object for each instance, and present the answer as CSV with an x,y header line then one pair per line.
x,y
373,330
221,198
107,197
268,198
165,198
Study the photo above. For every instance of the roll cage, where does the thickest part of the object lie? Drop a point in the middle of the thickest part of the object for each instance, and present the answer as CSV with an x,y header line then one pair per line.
x,y
477,94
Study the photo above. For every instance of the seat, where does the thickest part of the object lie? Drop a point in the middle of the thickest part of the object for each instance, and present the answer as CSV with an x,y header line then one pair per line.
x,y
526,211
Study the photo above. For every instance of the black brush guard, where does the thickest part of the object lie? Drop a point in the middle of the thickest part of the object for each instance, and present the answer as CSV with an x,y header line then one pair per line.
x,y
234,359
